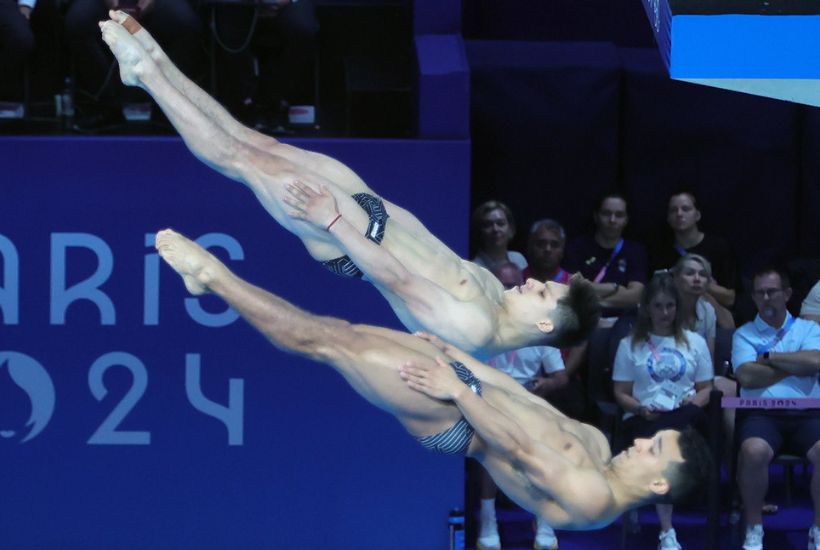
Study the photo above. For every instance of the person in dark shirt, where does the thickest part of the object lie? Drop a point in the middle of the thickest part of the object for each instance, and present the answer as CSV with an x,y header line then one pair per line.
x,y
683,216
617,267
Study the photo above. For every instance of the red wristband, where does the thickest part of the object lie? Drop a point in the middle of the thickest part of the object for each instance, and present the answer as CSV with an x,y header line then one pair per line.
x,y
334,221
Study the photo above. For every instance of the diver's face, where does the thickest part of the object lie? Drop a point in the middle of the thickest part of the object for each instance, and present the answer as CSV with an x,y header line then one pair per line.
x,y
652,455
534,301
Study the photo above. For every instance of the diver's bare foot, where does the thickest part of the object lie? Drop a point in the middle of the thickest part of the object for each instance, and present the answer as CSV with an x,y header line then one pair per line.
x,y
140,33
134,61
196,265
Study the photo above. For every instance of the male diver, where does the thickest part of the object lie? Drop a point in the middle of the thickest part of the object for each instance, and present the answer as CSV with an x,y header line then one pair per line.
x,y
557,468
346,226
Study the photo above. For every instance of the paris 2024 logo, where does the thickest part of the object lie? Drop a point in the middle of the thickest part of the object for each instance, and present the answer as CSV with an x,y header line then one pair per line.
x,y
27,375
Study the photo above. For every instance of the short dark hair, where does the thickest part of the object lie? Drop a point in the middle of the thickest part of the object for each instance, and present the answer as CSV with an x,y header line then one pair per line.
x,y
576,314
611,194
684,191
785,281
694,471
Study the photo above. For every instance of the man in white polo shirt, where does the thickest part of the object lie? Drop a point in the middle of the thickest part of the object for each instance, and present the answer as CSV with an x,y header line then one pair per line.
x,y
776,355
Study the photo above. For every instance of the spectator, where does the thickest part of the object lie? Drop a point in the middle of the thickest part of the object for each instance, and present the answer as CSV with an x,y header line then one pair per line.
x,y
615,265
811,305
493,227
700,312
776,355
662,377
545,252
266,59
16,45
509,274
173,23
682,215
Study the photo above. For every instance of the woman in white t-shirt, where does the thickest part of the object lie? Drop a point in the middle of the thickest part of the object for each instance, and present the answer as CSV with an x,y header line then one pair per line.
x,y
662,376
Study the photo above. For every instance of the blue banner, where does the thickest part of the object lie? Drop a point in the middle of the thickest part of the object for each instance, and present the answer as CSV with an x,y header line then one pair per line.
x,y
133,415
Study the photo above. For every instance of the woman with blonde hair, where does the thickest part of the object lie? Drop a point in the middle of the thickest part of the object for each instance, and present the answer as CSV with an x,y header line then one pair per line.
x,y
700,312
493,226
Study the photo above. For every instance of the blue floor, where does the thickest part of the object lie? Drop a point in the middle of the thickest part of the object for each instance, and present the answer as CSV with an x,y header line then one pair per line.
x,y
785,530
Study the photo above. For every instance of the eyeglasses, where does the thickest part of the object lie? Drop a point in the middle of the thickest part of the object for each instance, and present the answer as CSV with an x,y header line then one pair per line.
x,y
764,292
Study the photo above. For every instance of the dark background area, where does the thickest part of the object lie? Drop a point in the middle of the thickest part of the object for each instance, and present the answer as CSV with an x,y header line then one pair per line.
x,y
571,99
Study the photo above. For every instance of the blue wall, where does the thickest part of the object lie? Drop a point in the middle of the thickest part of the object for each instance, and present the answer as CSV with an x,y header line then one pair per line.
x,y
296,461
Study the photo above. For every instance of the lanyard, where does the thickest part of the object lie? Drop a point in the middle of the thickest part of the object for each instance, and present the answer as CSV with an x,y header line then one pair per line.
x,y
653,349
682,251
560,275
601,274
777,337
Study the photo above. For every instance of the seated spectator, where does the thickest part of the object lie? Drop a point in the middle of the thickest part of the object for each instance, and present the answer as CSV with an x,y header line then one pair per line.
x,y
700,312
174,24
493,226
811,305
541,370
16,45
683,216
265,60
545,252
776,355
509,274
615,265
662,377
